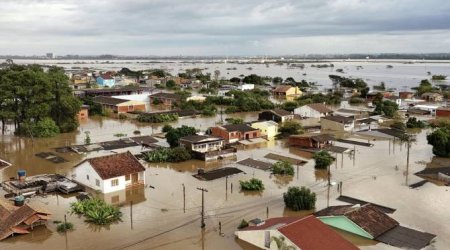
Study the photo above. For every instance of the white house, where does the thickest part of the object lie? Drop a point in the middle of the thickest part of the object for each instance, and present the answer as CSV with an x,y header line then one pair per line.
x,y
110,173
313,110
246,86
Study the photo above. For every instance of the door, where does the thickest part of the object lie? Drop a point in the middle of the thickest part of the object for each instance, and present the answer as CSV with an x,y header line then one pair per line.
x,y
134,178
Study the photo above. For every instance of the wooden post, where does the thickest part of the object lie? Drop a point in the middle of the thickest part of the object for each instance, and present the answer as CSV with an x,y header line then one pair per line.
x,y
231,187
131,213
267,212
220,228
340,188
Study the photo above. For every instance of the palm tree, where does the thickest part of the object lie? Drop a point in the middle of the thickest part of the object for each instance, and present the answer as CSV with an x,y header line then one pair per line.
x,y
281,244
407,139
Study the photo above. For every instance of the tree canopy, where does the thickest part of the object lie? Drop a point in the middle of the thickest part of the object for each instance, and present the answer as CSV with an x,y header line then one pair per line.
x,y
299,198
323,159
174,134
440,139
29,95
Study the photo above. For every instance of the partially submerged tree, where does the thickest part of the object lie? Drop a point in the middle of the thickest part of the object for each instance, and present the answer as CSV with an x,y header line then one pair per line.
x,y
323,159
299,198
282,168
440,139
252,185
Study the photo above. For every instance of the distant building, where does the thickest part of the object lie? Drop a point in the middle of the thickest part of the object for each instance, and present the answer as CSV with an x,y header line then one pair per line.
x,y
337,123
267,128
432,97
283,91
276,115
307,233
202,143
168,99
246,87
117,105
50,55
313,110
106,80
110,173
310,141
406,95
232,133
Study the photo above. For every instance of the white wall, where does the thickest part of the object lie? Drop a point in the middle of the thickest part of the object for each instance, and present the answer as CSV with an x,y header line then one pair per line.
x,y
108,188
80,173
306,111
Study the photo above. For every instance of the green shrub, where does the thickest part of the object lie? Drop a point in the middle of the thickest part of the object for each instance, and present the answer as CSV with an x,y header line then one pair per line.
x,y
64,227
166,128
290,128
122,116
283,168
299,198
243,224
252,185
43,128
173,136
323,159
96,211
440,139
356,100
414,123
398,125
157,118
177,154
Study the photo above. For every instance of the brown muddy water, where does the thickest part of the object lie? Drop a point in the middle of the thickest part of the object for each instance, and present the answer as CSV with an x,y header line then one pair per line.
x,y
376,174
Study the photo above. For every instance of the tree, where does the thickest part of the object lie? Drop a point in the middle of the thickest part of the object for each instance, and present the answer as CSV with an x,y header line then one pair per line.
x,y
290,128
323,159
252,185
254,79
232,120
281,243
166,128
289,106
235,80
299,198
386,108
277,80
414,123
87,138
43,128
399,125
440,140
283,168
424,86
173,136
170,84
216,74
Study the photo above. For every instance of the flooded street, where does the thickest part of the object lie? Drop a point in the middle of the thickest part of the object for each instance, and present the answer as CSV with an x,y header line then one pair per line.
x,y
160,220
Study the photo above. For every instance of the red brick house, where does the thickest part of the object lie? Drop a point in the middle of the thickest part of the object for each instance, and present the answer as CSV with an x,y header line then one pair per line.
x,y
235,132
168,99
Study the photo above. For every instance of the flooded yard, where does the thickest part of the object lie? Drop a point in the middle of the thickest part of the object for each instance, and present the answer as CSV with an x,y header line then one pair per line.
x,y
160,219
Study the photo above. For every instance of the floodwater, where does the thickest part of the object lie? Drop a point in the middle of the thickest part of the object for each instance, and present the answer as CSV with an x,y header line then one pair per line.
x,y
160,220
403,75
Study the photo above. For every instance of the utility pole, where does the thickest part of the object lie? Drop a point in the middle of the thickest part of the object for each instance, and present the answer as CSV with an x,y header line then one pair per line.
x,y
131,213
184,198
408,145
203,206
329,175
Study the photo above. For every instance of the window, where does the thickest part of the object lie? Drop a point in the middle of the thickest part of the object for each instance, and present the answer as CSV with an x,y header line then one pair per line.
x,y
87,177
114,182
127,177
97,182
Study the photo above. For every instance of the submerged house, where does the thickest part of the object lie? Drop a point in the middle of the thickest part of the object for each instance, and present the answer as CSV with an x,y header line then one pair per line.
x,y
106,80
284,91
337,123
117,105
313,110
168,99
307,233
310,141
267,128
110,173
20,219
232,133
206,147
276,115
370,222
4,164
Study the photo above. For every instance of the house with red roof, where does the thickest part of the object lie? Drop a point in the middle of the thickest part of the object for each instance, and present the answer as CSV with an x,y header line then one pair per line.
x,y
307,233
110,173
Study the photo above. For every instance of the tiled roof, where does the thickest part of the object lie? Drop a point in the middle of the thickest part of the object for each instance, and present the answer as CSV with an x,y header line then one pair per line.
x,y
338,118
115,165
166,96
368,217
272,223
108,100
282,88
309,233
281,112
319,107
238,127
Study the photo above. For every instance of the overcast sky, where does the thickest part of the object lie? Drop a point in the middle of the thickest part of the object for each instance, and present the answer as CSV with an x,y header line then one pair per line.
x,y
223,27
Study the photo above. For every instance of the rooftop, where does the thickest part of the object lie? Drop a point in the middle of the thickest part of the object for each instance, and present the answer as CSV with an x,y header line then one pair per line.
x,y
200,138
368,217
166,95
282,88
115,165
338,118
238,127
108,100
319,107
